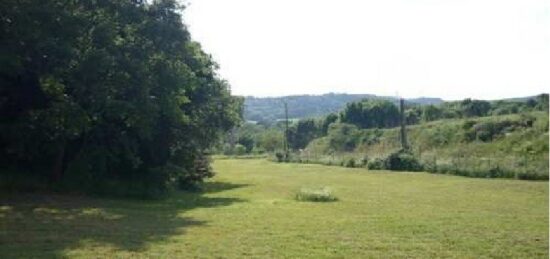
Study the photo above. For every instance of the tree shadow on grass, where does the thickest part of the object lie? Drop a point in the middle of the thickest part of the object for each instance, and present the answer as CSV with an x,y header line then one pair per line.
x,y
33,225
213,187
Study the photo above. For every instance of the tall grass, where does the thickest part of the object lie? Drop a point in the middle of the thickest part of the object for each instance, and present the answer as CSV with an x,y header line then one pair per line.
x,y
323,194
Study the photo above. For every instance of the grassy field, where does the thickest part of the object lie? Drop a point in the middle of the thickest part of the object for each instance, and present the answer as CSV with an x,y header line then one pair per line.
x,y
248,210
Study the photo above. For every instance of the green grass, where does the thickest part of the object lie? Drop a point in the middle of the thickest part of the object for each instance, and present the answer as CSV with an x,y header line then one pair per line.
x,y
249,210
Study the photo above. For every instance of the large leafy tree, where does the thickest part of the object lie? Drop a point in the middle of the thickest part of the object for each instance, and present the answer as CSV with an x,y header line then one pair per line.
x,y
371,114
302,133
107,94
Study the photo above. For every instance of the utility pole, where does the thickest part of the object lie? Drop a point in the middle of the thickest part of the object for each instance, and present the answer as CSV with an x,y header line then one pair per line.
x,y
232,139
404,143
286,130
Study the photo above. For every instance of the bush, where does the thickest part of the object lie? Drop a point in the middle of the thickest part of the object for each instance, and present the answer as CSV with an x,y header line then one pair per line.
x,y
490,130
531,176
350,163
201,170
315,195
497,172
240,150
430,166
279,156
402,160
376,164
364,161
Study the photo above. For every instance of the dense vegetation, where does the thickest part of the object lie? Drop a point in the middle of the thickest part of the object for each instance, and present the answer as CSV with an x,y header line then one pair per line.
x,y
270,109
106,96
500,146
506,138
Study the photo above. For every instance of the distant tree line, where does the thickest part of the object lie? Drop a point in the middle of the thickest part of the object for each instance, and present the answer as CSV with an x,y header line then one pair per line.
x,y
343,127
268,110
476,108
107,96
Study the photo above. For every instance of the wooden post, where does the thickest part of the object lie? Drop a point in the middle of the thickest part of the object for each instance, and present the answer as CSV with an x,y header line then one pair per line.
x,y
402,121
286,131
232,140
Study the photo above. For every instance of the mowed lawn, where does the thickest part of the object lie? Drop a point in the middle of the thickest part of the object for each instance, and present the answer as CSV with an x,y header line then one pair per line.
x,y
248,210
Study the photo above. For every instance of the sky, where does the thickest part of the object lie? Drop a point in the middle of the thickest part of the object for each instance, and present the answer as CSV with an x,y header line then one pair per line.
x,y
452,49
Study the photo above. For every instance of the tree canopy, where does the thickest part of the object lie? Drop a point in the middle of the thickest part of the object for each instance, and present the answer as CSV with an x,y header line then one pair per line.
x,y
371,114
108,95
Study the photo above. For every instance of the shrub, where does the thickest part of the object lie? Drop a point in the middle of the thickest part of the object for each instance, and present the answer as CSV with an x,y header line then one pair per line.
x,y
364,161
201,170
402,160
468,124
430,166
350,162
280,156
376,164
258,151
240,150
531,176
315,195
489,130
497,172
343,137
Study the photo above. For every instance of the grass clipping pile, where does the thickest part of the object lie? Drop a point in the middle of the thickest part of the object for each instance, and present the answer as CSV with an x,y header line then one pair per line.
x,y
323,194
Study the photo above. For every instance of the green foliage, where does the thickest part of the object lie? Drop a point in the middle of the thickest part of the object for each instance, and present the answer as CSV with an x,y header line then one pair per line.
x,y
371,136
431,113
247,142
530,175
486,131
302,133
351,163
469,108
342,137
515,147
371,114
108,96
364,161
270,140
541,102
402,160
474,108
268,110
376,164
329,119
280,157
323,194
240,150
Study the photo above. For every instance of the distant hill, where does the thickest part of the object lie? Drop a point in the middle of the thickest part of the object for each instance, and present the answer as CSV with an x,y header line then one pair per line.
x,y
270,109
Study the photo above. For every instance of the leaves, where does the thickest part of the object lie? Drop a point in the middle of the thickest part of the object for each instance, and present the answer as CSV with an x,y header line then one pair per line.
x,y
119,80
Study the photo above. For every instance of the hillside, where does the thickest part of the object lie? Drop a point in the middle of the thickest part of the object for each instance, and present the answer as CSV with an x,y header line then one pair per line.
x,y
270,109
514,146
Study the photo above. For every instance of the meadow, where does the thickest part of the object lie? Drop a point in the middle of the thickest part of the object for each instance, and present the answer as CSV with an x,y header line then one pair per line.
x,y
248,210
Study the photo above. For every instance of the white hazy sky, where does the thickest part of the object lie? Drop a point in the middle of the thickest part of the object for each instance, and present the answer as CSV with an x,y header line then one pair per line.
x,y
453,49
